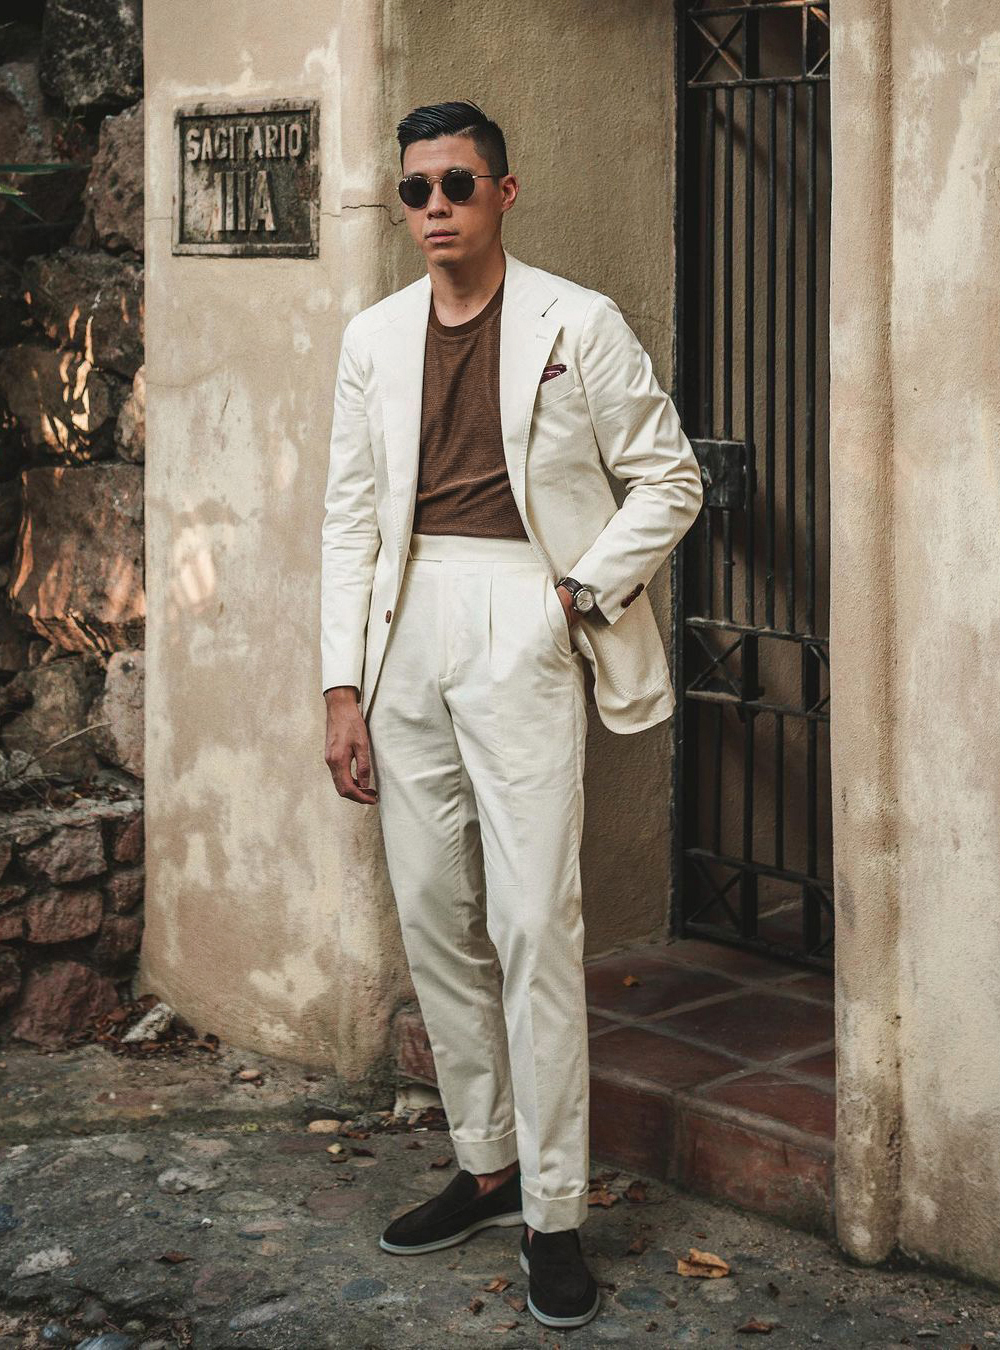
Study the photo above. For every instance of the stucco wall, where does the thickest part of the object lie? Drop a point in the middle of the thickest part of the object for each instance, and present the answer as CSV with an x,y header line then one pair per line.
x,y
916,489
269,916
946,399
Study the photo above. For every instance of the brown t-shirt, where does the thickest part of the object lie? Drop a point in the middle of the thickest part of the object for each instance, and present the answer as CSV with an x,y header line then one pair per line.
x,y
462,485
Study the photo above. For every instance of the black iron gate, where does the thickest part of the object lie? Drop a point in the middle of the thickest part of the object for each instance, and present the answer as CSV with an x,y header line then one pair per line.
x,y
752,831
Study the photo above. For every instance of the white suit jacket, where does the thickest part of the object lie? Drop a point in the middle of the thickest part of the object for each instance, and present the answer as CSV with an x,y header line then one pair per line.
x,y
605,412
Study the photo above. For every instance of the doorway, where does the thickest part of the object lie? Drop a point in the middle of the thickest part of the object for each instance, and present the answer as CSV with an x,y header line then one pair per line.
x,y
752,830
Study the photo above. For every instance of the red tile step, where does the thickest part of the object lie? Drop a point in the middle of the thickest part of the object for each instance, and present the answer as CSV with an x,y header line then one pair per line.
x,y
711,1067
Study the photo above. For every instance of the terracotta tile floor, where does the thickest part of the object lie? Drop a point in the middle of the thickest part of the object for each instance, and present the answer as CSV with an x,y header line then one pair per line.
x,y
715,1068
711,1067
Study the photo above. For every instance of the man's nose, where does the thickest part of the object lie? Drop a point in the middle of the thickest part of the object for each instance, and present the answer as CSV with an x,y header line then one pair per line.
x,y
437,201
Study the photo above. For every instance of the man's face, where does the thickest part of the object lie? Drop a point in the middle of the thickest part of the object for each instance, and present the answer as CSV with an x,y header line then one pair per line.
x,y
453,234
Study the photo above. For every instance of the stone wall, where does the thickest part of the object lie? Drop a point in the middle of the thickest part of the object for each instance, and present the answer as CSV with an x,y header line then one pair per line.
x,y
72,602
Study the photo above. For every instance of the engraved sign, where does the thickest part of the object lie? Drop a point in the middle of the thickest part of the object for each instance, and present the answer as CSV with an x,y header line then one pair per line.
x,y
247,179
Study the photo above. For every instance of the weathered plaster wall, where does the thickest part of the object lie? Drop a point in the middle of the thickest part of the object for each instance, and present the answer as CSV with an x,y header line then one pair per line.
x,y
270,920
946,399
916,488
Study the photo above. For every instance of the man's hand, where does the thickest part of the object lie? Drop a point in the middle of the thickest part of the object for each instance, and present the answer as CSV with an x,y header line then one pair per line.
x,y
567,603
347,739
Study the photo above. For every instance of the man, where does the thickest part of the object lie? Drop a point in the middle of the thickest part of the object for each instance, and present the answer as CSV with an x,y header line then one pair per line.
x,y
474,560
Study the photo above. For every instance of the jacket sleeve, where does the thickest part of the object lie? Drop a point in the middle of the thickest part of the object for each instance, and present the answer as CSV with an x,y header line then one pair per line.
x,y
640,439
350,535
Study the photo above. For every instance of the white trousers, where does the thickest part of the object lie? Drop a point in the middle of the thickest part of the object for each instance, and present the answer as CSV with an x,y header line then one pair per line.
x,y
477,729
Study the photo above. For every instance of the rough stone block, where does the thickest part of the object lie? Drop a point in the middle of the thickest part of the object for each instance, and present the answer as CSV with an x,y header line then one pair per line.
x,y
63,916
60,694
71,853
91,302
78,571
31,133
63,404
92,54
125,889
128,840
60,999
113,195
121,740
130,430
119,939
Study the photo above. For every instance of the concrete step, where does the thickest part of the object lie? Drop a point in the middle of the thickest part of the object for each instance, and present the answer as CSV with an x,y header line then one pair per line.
x,y
711,1067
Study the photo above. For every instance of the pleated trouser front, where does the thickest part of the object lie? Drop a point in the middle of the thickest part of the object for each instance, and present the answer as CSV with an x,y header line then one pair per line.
x,y
477,729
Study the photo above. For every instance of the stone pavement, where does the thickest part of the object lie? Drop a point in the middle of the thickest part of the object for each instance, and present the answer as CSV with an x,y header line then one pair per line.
x,y
148,1203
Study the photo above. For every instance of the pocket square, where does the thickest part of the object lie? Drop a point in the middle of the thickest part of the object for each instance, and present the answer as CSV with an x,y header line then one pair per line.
x,y
550,372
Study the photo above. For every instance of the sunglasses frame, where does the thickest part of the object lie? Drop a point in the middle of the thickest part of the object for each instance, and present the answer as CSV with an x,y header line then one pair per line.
x,y
430,179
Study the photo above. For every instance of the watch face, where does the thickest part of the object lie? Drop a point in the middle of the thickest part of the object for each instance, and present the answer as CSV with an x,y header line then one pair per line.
x,y
584,599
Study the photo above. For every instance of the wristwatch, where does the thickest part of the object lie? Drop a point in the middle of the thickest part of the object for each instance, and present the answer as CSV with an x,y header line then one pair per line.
x,y
583,597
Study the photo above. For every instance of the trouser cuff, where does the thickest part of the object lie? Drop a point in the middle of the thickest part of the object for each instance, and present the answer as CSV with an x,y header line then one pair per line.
x,y
486,1155
554,1213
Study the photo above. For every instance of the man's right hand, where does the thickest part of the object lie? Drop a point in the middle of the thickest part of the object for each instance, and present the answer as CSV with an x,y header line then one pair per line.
x,y
347,739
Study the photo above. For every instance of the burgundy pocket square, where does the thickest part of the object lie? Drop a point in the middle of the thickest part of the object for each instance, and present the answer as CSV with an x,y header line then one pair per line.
x,y
550,372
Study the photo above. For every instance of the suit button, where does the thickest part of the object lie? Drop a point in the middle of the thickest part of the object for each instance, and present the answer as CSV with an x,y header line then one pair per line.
x,y
638,587
388,615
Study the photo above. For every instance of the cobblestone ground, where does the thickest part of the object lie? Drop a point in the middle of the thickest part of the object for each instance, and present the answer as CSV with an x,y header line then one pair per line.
x,y
150,1205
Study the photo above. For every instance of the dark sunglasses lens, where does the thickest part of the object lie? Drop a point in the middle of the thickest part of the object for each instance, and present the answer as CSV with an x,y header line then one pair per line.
x,y
458,185
415,191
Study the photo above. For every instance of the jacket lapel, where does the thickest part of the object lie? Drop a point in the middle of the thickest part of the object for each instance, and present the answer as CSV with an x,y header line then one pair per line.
x,y
527,333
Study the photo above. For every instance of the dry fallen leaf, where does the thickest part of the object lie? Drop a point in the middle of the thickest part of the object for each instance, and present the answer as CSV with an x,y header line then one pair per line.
x,y
637,1246
324,1127
250,1075
476,1305
705,1264
635,1192
442,1161
755,1324
174,1257
497,1285
602,1197
516,1302
631,979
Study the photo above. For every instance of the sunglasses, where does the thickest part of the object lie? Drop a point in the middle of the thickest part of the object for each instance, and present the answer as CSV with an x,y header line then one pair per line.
x,y
458,185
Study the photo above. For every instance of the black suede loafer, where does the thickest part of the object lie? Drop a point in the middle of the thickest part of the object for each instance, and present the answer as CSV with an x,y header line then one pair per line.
x,y
455,1214
561,1290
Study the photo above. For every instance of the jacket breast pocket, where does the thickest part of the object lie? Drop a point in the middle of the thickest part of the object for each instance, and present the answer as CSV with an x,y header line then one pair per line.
x,y
560,386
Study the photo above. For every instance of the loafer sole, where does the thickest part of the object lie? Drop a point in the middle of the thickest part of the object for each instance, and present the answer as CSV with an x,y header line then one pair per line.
x,y
577,1321
580,1320
414,1249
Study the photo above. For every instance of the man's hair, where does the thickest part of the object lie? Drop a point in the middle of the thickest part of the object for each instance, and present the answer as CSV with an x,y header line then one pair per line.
x,y
458,118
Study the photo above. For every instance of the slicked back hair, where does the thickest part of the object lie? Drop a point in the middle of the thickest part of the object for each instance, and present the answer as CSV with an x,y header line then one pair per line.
x,y
454,119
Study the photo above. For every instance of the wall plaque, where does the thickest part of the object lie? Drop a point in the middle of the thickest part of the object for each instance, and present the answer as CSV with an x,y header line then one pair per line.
x,y
247,179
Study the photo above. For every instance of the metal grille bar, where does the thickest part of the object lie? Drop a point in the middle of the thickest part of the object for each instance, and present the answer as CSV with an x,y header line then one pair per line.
x,y
752,830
